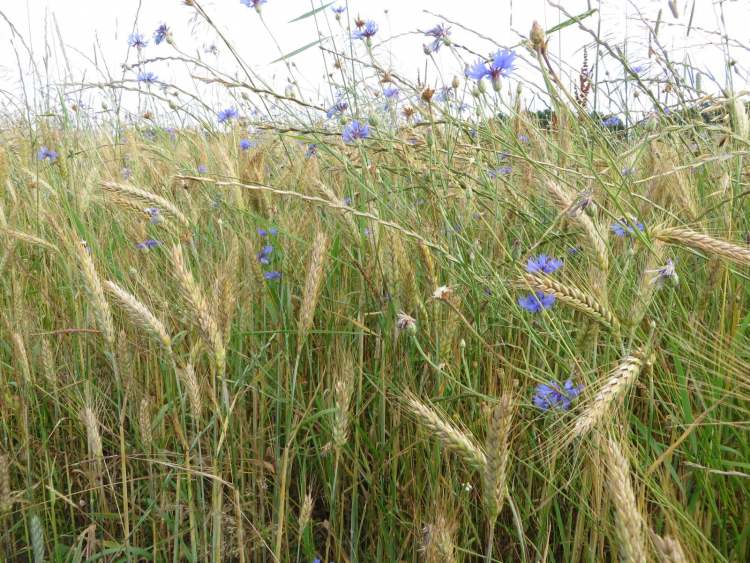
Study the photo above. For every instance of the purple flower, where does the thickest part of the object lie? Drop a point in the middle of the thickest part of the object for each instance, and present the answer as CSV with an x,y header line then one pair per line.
x,y
272,275
202,169
46,154
147,77
273,231
253,4
666,272
553,396
444,94
441,33
137,41
500,66
126,173
367,32
347,201
147,244
502,171
162,33
338,108
154,214
312,150
612,121
264,256
625,227
338,10
227,115
629,171
523,138
354,131
536,302
544,264
247,144
391,93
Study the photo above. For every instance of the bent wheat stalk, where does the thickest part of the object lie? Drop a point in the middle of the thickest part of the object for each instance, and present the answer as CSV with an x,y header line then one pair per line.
x,y
140,314
709,245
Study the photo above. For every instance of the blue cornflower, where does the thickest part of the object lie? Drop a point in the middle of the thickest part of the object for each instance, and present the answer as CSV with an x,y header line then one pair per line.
x,y
391,93
553,396
523,138
347,200
629,170
536,302
154,214
367,32
227,115
137,41
264,256
147,76
246,144
162,33
147,244
312,150
126,173
354,131
338,10
273,231
338,108
501,65
441,33
253,4
46,154
202,169
612,121
272,275
625,227
443,94
543,264
501,171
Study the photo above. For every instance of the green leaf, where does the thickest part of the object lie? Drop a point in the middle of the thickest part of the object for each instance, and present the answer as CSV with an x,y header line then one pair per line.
x,y
571,21
311,12
298,51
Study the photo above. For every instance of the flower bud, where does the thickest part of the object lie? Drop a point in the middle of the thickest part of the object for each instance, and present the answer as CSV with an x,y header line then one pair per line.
x,y
537,37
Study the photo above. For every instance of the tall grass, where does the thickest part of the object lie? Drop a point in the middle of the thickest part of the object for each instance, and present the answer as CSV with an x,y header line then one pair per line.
x,y
340,353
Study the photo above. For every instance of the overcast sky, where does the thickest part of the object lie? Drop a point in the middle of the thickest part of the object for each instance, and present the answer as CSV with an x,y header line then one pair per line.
x,y
95,34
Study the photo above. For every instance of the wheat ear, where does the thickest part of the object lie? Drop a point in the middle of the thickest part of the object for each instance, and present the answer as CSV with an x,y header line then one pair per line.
x,y
22,356
619,381
668,549
438,541
630,525
495,473
140,314
709,245
342,389
187,376
452,437
139,199
102,312
313,284
6,503
575,298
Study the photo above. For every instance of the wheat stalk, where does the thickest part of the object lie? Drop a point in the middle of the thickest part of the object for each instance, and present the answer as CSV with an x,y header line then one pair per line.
x,y
37,538
575,298
140,199
312,287
201,309
30,239
140,314
630,525
619,381
452,438
6,503
693,239
495,473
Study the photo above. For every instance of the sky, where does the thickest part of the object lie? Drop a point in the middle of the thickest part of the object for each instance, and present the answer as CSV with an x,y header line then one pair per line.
x,y
92,35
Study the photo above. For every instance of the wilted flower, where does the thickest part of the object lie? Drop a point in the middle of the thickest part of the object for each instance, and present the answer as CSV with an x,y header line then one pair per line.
x,y
500,66
312,150
553,396
86,246
366,32
442,293
543,264
147,77
441,33
272,275
666,272
137,41
354,131
536,302
264,256
46,154
147,244
626,227
154,215
537,37
162,33
227,115
582,202
406,322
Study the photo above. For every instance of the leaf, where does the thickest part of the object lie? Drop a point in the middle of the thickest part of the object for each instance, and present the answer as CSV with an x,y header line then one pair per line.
x,y
311,12
298,51
571,21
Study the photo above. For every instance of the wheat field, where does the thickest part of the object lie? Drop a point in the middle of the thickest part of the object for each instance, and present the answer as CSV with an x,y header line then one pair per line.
x,y
450,335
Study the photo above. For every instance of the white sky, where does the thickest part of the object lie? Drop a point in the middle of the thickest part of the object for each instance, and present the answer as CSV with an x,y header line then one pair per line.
x,y
98,30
